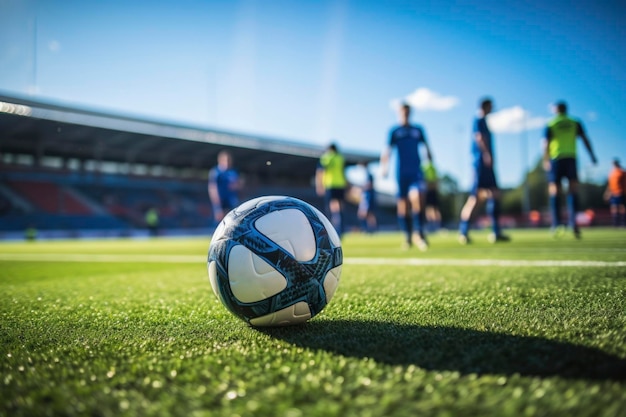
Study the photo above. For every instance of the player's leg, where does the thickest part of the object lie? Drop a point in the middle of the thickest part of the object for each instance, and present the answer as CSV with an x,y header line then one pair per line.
x,y
403,216
492,207
362,214
335,197
370,216
416,198
372,222
554,193
572,194
493,210
466,215
436,215
433,217
617,210
492,195
429,218
572,207
403,219
468,209
614,210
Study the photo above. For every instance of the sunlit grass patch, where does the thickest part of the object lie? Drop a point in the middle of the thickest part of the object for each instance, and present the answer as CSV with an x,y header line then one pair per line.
x,y
133,337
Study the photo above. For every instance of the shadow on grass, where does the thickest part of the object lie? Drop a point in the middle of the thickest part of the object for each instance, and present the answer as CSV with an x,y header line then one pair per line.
x,y
454,349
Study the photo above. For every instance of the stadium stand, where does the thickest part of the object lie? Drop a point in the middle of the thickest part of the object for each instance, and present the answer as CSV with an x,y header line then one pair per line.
x,y
79,170
48,197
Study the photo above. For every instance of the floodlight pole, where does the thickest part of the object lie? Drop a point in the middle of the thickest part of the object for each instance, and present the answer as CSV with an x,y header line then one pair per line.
x,y
526,186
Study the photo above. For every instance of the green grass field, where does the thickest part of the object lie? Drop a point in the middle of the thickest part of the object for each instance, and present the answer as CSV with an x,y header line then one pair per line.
x,y
535,327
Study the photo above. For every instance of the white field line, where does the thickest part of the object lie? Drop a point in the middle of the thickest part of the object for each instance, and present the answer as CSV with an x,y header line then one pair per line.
x,y
477,262
191,259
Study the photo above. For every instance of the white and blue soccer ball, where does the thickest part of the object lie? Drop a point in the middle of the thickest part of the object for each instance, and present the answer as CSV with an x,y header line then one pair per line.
x,y
275,261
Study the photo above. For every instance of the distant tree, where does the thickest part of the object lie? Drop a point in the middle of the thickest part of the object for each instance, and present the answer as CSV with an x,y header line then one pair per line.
x,y
591,196
450,199
513,199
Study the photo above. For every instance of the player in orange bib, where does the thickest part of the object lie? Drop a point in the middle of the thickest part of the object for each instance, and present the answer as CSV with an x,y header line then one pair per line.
x,y
614,194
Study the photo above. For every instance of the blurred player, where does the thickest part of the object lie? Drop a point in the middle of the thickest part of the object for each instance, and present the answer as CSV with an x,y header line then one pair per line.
x,y
485,185
224,185
614,194
152,221
330,182
406,139
560,162
431,203
366,210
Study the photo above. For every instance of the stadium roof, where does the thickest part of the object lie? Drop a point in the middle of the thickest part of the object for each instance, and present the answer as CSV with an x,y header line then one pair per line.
x,y
45,129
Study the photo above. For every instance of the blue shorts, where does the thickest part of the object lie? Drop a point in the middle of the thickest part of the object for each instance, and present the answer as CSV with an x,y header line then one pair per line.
x,y
432,198
228,203
562,168
616,200
407,183
335,194
484,178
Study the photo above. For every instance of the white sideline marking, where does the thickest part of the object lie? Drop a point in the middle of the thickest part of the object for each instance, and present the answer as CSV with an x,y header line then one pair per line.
x,y
86,257
476,262
192,259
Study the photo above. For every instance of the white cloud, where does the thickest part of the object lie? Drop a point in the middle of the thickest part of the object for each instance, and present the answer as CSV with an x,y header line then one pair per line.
x,y
514,120
425,99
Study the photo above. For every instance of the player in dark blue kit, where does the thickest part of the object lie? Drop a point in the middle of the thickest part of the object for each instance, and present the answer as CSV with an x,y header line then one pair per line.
x,y
367,205
224,186
485,186
407,139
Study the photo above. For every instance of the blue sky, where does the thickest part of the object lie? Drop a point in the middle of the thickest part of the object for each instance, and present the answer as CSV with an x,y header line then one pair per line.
x,y
316,71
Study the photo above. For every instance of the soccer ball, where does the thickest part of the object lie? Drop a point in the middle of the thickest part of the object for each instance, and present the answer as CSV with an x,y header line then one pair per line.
x,y
275,261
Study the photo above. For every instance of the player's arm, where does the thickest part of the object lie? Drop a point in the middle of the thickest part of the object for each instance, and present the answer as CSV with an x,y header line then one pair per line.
x,y
386,155
429,154
214,196
545,144
480,140
587,143
384,161
319,180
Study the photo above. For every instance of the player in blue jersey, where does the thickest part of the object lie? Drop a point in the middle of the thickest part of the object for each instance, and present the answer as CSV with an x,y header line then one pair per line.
x,y
406,139
367,204
485,186
224,186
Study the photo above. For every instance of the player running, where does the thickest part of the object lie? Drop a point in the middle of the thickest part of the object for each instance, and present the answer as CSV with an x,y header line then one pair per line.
x,y
485,186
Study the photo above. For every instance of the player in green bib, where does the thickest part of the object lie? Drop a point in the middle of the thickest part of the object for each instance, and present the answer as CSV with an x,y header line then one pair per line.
x,y
331,183
431,202
560,162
